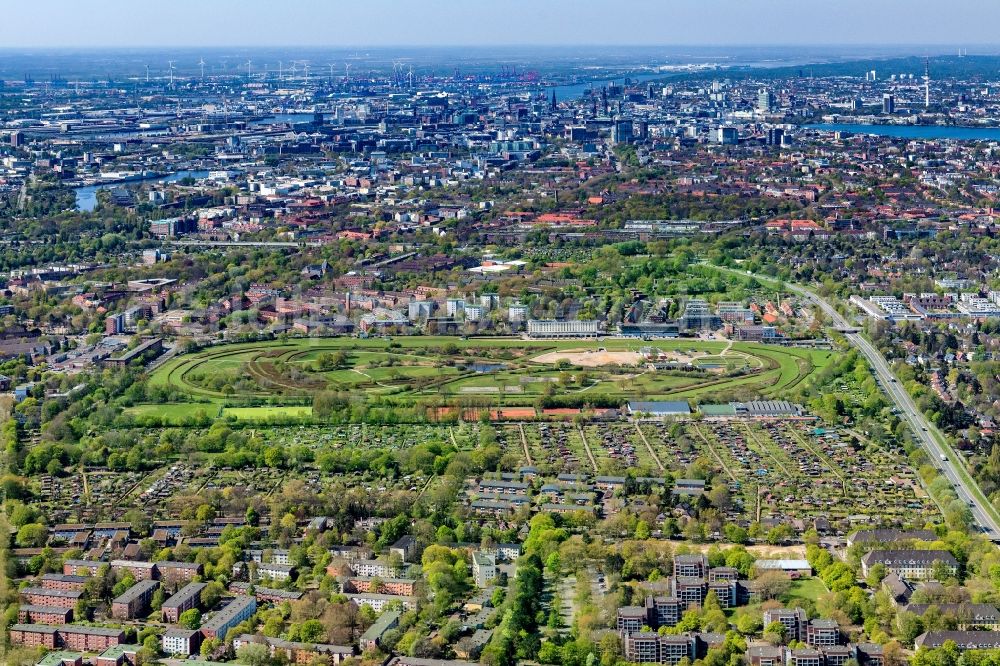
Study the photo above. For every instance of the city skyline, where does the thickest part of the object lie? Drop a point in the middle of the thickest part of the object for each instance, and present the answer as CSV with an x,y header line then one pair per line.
x,y
106,23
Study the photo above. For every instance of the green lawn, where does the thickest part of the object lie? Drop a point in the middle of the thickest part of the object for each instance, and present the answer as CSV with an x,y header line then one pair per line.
x,y
175,412
806,589
396,372
179,412
264,413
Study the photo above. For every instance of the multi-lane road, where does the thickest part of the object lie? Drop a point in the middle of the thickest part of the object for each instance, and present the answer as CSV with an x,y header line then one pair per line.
x,y
943,457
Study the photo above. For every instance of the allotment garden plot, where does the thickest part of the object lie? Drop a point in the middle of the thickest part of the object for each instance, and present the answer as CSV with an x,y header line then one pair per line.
x,y
773,470
97,493
778,469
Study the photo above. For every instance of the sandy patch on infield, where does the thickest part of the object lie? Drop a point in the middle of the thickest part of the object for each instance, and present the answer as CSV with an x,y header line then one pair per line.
x,y
591,359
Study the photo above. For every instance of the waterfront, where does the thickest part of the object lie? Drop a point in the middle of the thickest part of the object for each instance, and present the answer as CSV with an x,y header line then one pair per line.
x,y
279,118
575,91
86,196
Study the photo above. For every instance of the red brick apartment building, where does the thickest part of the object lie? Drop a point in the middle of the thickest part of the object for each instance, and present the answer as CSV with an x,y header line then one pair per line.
x,y
54,581
267,594
40,596
119,655
139,570
134,602
84,639
299,653
68,659
187,597
44,614
81,567
172,573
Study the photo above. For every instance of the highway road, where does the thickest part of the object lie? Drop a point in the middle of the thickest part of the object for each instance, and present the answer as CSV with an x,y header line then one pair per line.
x,y
950,464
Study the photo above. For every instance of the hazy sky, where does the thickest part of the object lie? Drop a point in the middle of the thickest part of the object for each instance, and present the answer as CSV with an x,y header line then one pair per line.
x,y
460,22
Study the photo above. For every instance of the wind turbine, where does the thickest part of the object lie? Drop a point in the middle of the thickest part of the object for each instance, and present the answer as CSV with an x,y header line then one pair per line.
x,y
249,69
170,67
281,64
201,63
147,73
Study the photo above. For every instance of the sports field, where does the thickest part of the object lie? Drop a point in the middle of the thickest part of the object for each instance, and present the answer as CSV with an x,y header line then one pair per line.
x,y
222,380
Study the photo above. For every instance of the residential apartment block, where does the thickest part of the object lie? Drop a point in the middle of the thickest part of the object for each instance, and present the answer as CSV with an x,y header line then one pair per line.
x,y
134,602
239,609
484,568
910,564
186,598
73,637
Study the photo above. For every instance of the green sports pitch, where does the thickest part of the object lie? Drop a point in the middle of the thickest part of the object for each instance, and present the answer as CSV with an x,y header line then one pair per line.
x,y
235,379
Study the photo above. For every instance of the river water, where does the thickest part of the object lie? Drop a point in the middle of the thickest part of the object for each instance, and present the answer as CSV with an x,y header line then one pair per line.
x,y
576,90
86,197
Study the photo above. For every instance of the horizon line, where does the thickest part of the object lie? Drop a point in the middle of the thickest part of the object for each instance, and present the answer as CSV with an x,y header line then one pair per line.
x,y
810,45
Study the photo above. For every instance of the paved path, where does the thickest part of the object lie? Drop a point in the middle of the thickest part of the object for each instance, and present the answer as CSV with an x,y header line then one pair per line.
x,y
524,443
715,453
649,448
586,446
